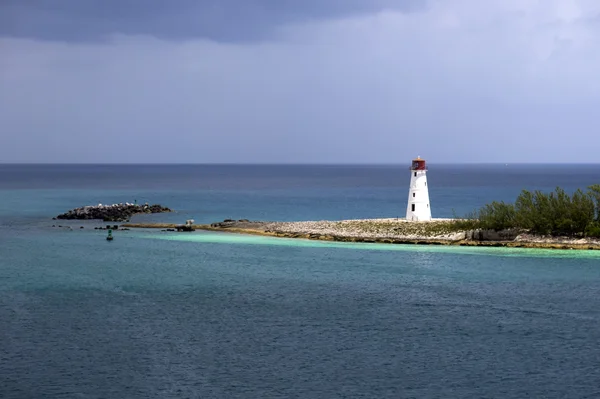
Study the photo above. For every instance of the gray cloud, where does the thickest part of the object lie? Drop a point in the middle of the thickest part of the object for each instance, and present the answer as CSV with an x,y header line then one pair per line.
x,y
493,81
218,20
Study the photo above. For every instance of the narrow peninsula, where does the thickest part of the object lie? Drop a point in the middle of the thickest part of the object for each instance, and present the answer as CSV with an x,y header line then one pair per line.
x,y
390,231
535,220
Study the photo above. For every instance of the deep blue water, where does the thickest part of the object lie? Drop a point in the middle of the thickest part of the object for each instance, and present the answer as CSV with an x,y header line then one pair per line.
x,y
208,315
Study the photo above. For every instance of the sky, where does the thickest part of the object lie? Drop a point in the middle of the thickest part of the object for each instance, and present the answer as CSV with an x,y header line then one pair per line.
x,y
299,81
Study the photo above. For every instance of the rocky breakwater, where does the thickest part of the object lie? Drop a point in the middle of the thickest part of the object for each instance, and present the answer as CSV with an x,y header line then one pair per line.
x,y
365,230
400,231
369,230
391,231
111,213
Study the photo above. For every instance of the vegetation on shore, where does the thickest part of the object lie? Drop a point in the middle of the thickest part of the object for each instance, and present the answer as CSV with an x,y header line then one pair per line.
x,y
556,213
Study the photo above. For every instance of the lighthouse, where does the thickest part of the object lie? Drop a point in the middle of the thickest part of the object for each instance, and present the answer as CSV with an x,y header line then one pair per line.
x,y
418,208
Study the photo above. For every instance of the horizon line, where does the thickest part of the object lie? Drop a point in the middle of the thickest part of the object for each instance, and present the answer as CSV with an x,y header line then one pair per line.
x,y
287,163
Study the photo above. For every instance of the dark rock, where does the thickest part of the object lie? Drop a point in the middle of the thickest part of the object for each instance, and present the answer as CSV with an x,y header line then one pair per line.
x,y
185,227
111,213
240,224
81,227
492,235
225,223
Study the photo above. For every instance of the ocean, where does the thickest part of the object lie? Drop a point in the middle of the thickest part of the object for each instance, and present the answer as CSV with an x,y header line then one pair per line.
x,y
212,315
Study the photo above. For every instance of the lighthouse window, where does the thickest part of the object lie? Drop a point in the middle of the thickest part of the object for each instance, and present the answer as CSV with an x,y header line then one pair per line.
x,y
415,174
413,195
413,207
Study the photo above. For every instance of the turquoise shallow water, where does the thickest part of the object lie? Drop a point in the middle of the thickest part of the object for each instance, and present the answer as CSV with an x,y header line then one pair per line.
x,y
155,314
242,239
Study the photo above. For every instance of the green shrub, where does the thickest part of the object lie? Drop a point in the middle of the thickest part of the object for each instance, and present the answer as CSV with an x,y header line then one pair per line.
x,y
497,216
468,222
554,213
593,230
594,193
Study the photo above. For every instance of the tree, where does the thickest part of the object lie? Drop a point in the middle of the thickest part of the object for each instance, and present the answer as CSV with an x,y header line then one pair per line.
x,y
497,216
582,211
525,209
594,192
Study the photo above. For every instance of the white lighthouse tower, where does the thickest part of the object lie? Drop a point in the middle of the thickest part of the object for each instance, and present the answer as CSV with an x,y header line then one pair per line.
x,y
418,208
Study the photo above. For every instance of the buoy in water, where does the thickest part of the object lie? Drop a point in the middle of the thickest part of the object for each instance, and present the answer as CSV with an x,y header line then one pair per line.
x,y
109,237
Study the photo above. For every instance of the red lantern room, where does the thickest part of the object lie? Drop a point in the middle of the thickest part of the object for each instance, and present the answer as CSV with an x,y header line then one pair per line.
x,y
418,164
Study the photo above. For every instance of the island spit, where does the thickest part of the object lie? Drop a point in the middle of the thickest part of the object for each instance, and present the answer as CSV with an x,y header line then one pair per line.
x,y
388,231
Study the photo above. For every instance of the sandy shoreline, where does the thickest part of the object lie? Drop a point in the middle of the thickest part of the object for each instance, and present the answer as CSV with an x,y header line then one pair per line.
x,y
388,231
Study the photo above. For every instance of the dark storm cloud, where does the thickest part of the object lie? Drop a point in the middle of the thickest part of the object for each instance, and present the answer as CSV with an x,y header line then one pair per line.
x,y
218,20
